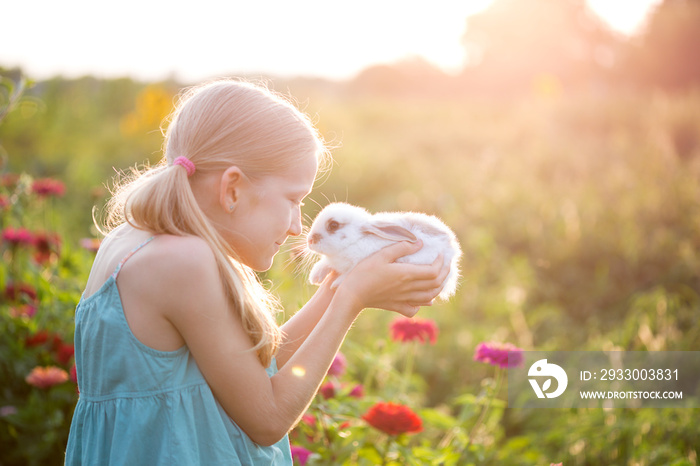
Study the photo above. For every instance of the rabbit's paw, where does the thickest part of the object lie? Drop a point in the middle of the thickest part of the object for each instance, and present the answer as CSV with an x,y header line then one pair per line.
x,y
319,272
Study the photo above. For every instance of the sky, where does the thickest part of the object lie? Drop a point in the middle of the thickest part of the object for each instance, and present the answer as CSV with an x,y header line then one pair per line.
x,y
155,39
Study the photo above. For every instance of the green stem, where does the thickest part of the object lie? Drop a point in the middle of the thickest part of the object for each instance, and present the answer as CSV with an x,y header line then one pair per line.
x,y
492,395
408,368
387,447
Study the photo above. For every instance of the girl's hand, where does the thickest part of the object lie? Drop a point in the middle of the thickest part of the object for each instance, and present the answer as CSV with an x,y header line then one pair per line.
x,y
380,282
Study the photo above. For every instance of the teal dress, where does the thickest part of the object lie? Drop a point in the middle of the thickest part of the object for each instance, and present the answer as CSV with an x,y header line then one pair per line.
x,y
140,406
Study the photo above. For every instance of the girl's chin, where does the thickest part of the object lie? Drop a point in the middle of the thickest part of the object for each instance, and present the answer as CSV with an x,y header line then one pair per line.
x,y
262,265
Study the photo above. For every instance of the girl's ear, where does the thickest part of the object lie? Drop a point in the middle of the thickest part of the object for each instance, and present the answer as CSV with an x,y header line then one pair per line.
x,y
389,231
233,181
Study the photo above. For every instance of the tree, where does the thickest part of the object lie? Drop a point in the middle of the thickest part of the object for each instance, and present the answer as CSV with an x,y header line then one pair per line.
x,y
667,52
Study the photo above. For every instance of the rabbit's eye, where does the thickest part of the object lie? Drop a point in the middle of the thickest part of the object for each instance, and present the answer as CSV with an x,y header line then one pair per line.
x,y
332,226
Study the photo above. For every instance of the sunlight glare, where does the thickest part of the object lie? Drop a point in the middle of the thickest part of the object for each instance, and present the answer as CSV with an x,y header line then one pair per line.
x,y
625,16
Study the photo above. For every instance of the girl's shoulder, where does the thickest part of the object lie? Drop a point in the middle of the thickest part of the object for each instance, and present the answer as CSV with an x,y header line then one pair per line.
x,y
176,259
170,276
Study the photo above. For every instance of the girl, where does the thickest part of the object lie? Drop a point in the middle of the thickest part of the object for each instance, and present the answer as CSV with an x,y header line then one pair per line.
x,y
179,357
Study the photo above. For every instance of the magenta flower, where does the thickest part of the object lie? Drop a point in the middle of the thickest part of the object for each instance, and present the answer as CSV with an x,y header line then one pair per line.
x,y
300,454
496,354
329,389
404,329
358,391
338,365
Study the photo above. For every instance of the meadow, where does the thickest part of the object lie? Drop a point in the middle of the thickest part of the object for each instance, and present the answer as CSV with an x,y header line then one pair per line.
x,y
578,215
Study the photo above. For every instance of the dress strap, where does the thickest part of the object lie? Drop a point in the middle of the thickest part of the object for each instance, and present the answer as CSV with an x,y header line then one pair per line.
x,y
131,253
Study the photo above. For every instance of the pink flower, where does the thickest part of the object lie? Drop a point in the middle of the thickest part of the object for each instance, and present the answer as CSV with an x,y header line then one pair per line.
x,y
8,410
18,236
404,329
338,365
300,454
46,377
9,180
24,310
496,354
48,187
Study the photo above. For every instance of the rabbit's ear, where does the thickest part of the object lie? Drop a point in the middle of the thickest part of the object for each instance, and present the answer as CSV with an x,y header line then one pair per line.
x,y
389,231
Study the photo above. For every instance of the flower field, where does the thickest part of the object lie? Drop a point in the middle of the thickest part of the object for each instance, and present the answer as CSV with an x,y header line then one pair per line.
x,y
579,218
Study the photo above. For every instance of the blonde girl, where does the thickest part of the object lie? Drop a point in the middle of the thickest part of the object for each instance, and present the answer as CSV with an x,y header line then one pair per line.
x,y
179,357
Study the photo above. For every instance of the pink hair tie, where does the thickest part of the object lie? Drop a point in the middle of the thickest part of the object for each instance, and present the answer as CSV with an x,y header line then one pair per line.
x,y
187,163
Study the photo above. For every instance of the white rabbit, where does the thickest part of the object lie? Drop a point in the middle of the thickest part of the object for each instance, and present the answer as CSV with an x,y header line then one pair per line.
x,y
345,234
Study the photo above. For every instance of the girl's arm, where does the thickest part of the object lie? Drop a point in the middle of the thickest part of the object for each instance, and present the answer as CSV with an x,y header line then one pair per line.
x,y
300,325
267,408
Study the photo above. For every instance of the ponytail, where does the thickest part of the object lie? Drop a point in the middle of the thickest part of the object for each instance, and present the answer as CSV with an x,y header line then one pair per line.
x,y
160,200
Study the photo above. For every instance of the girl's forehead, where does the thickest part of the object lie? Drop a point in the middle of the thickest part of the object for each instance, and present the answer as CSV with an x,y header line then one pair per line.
x,y
303,173
298,179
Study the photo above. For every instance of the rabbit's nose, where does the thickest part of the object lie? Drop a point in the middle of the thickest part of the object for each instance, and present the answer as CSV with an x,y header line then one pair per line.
x,y
315,238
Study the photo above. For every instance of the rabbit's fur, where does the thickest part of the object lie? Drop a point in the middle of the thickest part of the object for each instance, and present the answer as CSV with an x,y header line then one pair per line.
x,y
344,234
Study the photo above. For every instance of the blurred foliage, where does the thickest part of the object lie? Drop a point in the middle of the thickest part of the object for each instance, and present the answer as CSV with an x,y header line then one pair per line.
x,y
578,211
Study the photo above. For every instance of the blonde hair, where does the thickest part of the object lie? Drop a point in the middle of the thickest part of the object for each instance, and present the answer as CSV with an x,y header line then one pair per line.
x,y
217,125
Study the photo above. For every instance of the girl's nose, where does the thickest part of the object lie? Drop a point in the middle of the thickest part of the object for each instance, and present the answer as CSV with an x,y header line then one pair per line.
x,y
295,228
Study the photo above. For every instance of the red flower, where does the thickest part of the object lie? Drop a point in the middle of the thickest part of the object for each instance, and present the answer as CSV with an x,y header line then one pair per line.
x,y
300,454
46,377
338,365
73,374
48,187
18,236
496,354
47,245
393,419
404,329
64,353
20,292
39,338
4,202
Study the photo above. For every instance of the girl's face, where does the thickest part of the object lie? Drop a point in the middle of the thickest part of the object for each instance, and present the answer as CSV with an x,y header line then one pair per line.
x,y
267,211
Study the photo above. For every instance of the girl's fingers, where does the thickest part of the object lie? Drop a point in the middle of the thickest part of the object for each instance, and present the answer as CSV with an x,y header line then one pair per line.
x,y
400,249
